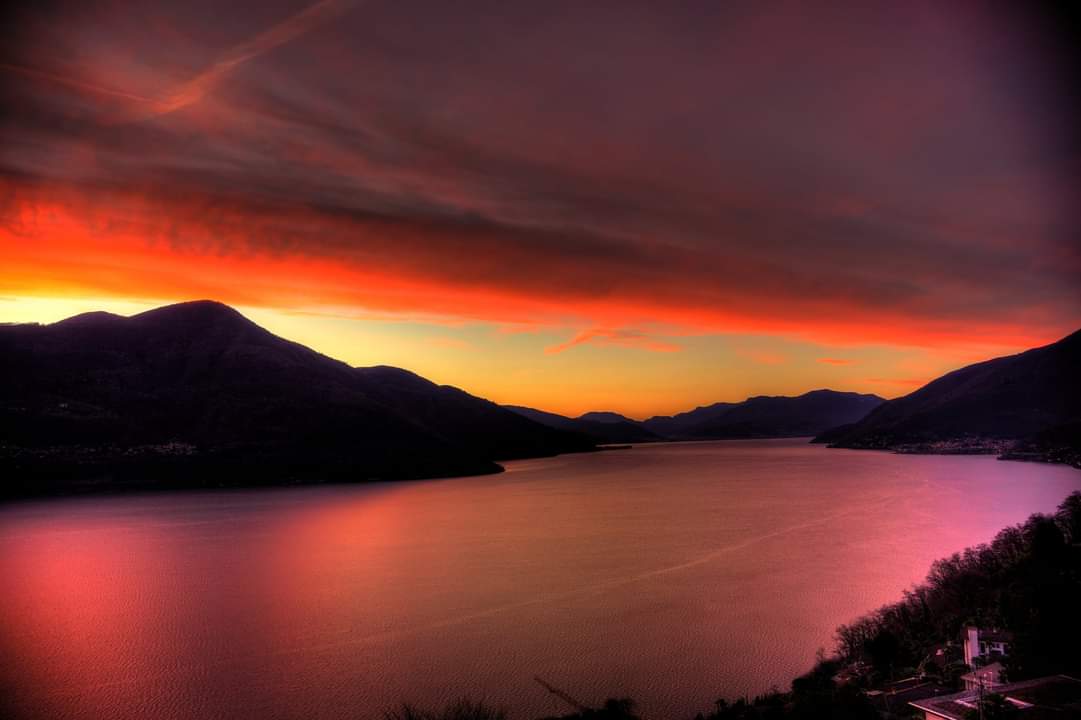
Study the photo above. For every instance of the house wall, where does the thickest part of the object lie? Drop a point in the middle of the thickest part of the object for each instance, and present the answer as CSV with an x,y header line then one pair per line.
x,y
972,644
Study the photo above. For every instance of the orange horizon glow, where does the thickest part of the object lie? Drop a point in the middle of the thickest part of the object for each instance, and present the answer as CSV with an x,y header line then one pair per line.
x,y
123,249
674,209
63,251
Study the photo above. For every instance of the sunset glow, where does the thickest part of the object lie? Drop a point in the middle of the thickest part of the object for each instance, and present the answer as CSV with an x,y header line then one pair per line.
x,y
536,230
522,359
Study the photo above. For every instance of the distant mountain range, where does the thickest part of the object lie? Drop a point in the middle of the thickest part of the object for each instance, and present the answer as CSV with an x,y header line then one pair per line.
x,y
1023,406
197,394
756,417
769,416
676,426
612,429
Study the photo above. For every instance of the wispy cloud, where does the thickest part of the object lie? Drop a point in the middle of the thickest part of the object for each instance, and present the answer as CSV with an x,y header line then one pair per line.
x,y
835,361
369,160
195,89
620,337
762,357
76,84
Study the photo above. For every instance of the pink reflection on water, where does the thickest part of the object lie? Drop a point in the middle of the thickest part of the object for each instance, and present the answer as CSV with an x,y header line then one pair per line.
x,y
673,574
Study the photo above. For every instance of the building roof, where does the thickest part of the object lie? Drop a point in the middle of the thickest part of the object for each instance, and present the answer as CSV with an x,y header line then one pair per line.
x,y
895,696
1057,696
901,685
987,673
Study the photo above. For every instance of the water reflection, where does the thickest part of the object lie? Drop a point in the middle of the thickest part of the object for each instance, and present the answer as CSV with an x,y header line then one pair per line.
x,y
673,574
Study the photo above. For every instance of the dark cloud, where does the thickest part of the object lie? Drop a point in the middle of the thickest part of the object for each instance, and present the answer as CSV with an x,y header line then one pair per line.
x,y
915,160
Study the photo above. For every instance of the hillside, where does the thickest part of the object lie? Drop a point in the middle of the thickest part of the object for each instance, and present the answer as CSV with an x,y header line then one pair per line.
x,y
764,416
611,429
196,394
1026,403
463,419
677,426
605,417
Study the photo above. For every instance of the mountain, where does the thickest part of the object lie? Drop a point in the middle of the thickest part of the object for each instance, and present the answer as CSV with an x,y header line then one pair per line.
x,y
196,394
1025,403
765,416
605,417
756,417
602,431
676,426
463,419
780,416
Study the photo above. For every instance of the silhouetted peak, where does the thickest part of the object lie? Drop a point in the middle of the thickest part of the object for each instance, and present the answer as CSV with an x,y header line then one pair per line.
x,y
97,318
1071,340
195,313
1005,399
826,392
604,417
389,373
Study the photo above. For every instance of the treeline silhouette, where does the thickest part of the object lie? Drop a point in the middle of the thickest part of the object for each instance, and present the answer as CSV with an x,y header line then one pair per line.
x,y
1027,581
467,709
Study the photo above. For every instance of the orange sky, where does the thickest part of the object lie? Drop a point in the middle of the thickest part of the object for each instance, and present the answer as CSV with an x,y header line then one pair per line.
x,y
665,214
564,353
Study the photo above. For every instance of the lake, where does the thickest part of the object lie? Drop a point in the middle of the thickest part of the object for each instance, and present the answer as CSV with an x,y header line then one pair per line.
x,y
674,574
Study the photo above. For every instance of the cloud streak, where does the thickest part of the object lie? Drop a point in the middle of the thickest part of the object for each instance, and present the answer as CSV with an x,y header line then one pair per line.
x,y
844,176
614,337
196,88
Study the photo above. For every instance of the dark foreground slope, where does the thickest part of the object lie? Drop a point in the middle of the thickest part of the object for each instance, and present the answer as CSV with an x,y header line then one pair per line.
x,y
196,394
1026,405
766,417
465,420
611,429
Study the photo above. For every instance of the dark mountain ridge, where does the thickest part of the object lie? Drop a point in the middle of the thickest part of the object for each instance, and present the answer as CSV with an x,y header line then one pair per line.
x,y
196,394
1029,403
463,419
602,431
781,416
604,417
765,416
756,417
675,426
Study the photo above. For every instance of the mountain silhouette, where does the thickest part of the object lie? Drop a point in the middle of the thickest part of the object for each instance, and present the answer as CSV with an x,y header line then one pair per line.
x,y
677,426
767,416
196,394
604,417
463,419
1025,403
756,417
613,428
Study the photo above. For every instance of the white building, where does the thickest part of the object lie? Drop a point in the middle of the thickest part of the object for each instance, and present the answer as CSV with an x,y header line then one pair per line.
x,y
985,644
1058,696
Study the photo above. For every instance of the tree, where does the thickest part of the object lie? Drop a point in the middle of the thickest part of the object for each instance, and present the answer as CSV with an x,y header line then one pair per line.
x,y
461,709
613,709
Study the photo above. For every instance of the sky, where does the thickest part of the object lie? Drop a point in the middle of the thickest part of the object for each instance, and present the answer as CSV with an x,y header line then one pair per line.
x,y
630,206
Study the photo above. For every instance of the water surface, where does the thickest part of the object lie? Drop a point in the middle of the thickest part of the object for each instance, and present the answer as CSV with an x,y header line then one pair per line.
x,y
674,574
